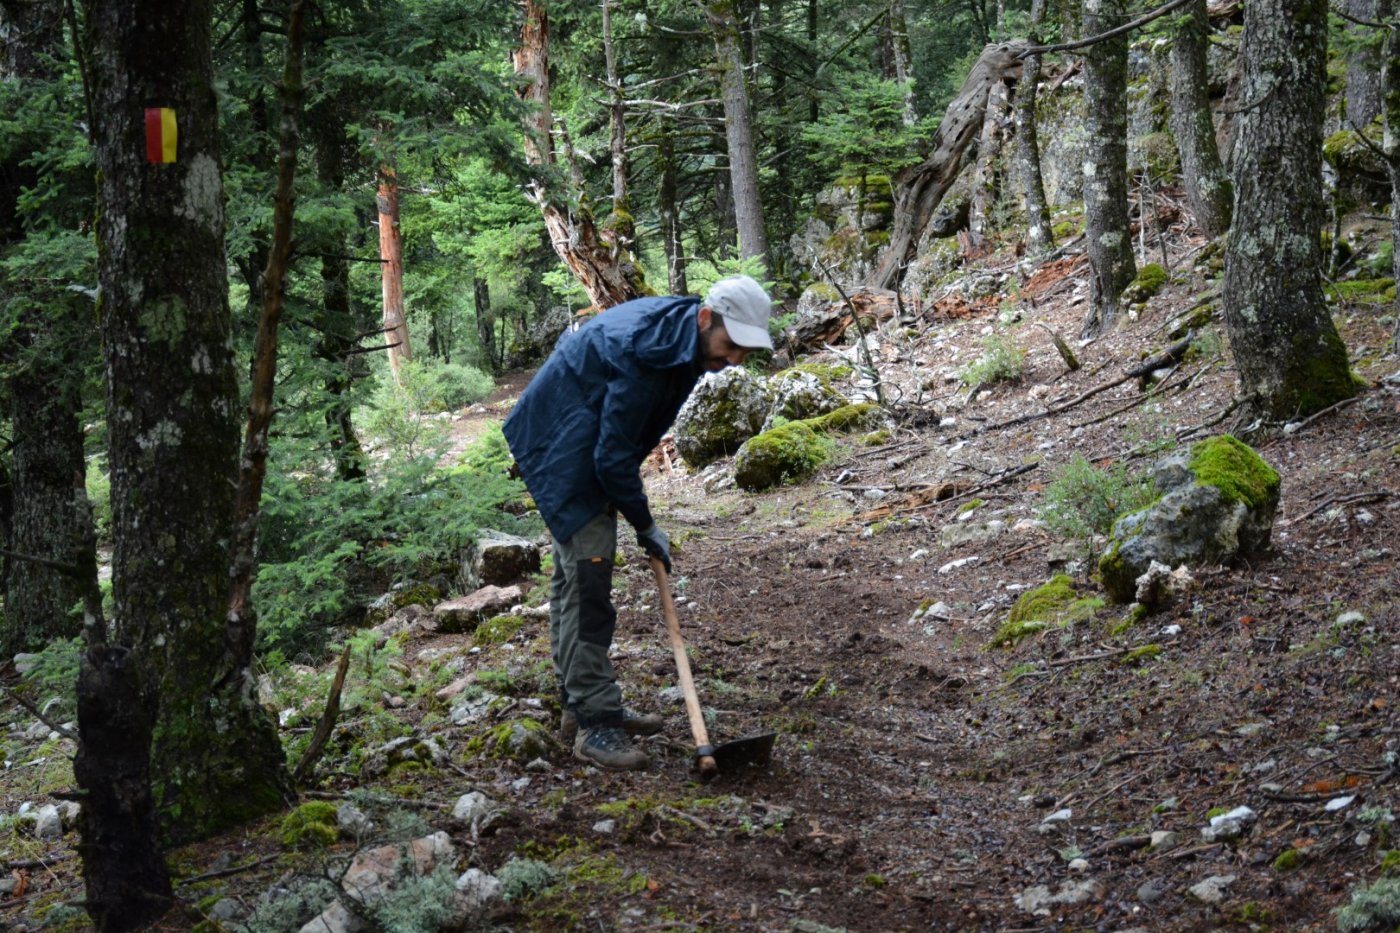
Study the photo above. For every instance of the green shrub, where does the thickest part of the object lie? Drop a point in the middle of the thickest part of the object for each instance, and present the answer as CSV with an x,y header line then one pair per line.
x,y
1001,361
99,493
330,546
435,386
1083,500
55,674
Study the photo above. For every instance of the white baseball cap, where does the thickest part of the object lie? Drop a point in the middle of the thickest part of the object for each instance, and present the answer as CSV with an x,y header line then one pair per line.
x,y
744,306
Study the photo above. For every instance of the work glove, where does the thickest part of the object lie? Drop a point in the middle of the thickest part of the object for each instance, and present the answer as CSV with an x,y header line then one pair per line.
x,y
654,541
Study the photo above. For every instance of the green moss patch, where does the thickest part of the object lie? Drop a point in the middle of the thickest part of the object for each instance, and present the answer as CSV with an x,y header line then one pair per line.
x,y
1236,470
497,630
1149,281
1055,603
1140,654
521,740
794,450
310,826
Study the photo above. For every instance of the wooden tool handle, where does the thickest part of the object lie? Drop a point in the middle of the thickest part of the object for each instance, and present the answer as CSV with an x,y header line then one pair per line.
x,y
704,752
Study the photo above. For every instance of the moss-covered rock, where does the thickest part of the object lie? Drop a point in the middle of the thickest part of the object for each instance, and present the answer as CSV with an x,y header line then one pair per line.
x,y
1149,281
725,410
1054,603
1218,501
521,740
794,450
497,629
310,826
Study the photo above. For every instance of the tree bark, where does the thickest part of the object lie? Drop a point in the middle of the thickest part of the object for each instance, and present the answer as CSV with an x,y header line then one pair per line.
x,y
1106,232
1390,85
668,206
172,403
620,225
738,132
609,276
920,188
1363,94
391,271
485,323
986,182
1207,183
1040,237
1290,360
44,356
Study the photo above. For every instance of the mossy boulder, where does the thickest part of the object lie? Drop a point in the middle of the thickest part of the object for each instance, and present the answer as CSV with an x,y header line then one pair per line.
x,y
496,558
520,740
1149,281
798,394
497,629
794,450
310,826
1055,603
1218,502
725,410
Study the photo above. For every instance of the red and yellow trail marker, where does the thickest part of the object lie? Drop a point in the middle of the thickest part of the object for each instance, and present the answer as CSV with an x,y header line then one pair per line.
x,y
161,134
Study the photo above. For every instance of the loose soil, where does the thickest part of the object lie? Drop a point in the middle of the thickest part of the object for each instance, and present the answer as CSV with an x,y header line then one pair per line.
x,y
914,764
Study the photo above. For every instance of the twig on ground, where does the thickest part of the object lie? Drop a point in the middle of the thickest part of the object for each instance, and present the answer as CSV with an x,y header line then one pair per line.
x,y
1330,501
327,723
225,872
1326,411
56,727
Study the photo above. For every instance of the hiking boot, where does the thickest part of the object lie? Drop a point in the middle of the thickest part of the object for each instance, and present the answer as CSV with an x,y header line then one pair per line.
x,y
609,747
632,722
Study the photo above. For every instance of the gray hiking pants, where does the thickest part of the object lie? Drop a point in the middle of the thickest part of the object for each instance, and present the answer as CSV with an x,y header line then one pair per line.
x,y
582,619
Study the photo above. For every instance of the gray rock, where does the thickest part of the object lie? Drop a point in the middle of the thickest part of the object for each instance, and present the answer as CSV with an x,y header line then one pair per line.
x,y
1039,900
48,825
478,889
424,750
1350,619
352,821
477,810
1212,890
376,871
225,909
1164,839
497,559
24,662
1151,891
724,410
538,766
464,613
336,918
1192,523
468,710
606,827
797,395
958,533
1055,822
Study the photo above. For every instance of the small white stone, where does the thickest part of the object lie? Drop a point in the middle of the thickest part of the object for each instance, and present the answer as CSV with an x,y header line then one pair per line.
x,y
605,827
1339,803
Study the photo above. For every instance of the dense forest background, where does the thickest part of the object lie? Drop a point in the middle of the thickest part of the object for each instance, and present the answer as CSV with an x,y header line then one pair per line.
x,y
374,211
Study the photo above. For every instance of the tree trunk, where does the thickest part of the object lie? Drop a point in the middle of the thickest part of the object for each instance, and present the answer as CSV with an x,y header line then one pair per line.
x,y
1390,86
620,225
901,68
986,182
172,404
609,276
1290,359
44,355
128,886
668,207
920,188
391,271
1040,237
1109,243
1363,96
485,323
1207,184
738,132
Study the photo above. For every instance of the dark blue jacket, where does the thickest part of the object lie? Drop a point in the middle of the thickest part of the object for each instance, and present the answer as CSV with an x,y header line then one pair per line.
x,y
601,402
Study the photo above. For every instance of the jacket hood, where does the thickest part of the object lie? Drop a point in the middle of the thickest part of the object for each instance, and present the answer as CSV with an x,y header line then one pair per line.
x,y
672,339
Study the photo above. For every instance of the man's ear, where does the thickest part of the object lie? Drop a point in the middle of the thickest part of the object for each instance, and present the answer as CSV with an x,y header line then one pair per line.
x,y
703,318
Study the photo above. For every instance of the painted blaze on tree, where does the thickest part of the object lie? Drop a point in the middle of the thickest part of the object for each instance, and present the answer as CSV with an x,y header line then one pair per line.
x,y
172,402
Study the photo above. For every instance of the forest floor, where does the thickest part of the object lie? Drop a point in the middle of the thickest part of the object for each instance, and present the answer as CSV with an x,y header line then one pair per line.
x,y
915,765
